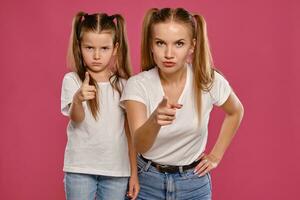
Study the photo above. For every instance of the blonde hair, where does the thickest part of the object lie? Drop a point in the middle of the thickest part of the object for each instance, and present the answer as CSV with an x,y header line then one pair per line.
x,y
202,60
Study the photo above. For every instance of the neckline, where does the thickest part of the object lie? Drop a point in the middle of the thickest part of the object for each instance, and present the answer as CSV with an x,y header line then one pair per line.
x,y
103,83
187,80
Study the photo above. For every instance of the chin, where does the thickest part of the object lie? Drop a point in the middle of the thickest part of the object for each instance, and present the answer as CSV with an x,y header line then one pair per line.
x,y
97,69
169,70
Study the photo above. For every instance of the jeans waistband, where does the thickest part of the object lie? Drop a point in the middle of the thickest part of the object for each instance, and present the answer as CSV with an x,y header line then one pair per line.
x,y
170,168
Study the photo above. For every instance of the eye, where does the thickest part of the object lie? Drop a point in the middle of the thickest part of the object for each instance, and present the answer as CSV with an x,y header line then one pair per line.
x,y
105,48
179,44
159,43
89,48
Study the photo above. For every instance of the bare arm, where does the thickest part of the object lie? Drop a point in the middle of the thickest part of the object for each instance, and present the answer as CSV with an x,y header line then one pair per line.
x,y
76,110
145,129
234,113
85,92
134,187
131,150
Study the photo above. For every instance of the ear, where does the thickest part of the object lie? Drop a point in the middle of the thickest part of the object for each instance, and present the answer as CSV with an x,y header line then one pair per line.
x,y
116,49
193,46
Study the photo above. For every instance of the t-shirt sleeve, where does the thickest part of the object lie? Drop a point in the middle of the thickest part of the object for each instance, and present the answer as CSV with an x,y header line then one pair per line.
x,y
133,90
69,87
220,90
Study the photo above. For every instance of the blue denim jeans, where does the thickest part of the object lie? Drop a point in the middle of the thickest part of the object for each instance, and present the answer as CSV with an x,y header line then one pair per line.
x,y
186,185
91,187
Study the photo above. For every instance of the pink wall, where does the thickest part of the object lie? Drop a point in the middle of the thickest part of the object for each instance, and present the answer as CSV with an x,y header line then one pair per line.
x,y
254,44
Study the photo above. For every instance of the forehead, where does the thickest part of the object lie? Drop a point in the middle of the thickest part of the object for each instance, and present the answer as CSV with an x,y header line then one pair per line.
x,y
171,31
103,37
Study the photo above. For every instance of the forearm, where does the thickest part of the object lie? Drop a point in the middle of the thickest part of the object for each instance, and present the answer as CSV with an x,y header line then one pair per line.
x,y
145,136
76,110
131,151
132,157
227,132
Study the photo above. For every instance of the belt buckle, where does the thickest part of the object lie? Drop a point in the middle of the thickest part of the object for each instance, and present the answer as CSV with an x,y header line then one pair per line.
x,y
167,169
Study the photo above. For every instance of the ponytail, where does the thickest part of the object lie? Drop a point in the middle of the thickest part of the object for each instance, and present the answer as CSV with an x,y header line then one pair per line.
x,y
123,57
202,63
147,61
122,64
74,57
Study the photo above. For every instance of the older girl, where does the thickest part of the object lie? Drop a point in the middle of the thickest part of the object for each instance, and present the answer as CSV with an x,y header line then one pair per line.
x,y
169,104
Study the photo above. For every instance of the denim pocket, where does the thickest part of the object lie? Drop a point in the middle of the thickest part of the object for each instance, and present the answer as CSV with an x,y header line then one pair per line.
x,y
189,174
209,178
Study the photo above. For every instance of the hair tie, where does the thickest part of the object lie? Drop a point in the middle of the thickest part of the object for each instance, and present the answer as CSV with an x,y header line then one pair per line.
x,y
194,20
113,18
83,17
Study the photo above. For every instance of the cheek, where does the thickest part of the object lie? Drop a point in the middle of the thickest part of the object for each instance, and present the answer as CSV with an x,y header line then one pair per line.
x,y
85,53
109,54
157,53
183,54
86,58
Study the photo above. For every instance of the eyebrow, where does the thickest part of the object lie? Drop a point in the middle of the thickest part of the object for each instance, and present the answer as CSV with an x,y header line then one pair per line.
x,y
88,44
175,41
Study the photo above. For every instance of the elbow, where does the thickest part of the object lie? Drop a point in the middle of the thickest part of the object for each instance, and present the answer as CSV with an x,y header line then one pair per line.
x,y
77,119
237,114
241,112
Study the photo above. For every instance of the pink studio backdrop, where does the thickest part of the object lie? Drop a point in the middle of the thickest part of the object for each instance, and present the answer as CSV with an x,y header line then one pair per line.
x,y
254,43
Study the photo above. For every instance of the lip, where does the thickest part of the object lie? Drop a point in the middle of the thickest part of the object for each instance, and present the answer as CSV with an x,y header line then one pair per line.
x,y
169,64
96,64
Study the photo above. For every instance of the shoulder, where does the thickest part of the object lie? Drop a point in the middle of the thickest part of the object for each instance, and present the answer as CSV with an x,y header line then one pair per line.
x,y
71,78
219,79
144,77
71,75
138,86
220,89
122,83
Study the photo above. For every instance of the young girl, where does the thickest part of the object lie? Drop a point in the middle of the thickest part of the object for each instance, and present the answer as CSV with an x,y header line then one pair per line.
x,y
168,107
99,156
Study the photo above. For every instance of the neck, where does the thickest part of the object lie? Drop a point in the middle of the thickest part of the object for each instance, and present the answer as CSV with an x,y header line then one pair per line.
x,y
102,76
174,78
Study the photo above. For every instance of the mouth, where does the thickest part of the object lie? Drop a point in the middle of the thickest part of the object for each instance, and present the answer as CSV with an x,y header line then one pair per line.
x,y
96,64
169,64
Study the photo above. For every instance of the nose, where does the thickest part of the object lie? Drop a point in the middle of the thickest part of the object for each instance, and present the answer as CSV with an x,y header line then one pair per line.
x,y
97,55
169,53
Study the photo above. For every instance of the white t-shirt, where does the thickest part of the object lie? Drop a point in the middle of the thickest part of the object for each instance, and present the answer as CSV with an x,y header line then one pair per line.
x,y
181,142
96,147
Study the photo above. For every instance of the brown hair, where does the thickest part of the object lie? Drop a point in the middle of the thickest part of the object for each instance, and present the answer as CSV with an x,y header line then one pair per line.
x,y
99,22
202,60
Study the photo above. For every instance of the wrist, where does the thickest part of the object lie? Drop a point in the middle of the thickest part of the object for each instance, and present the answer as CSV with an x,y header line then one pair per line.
x,y
77,99
215,156
153,120
133,173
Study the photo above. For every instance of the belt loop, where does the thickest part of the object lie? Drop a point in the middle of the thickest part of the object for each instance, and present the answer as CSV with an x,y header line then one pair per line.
x,y
147,165
180,169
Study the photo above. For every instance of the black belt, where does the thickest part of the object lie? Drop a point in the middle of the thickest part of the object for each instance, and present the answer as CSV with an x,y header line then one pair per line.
x,y
171,168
